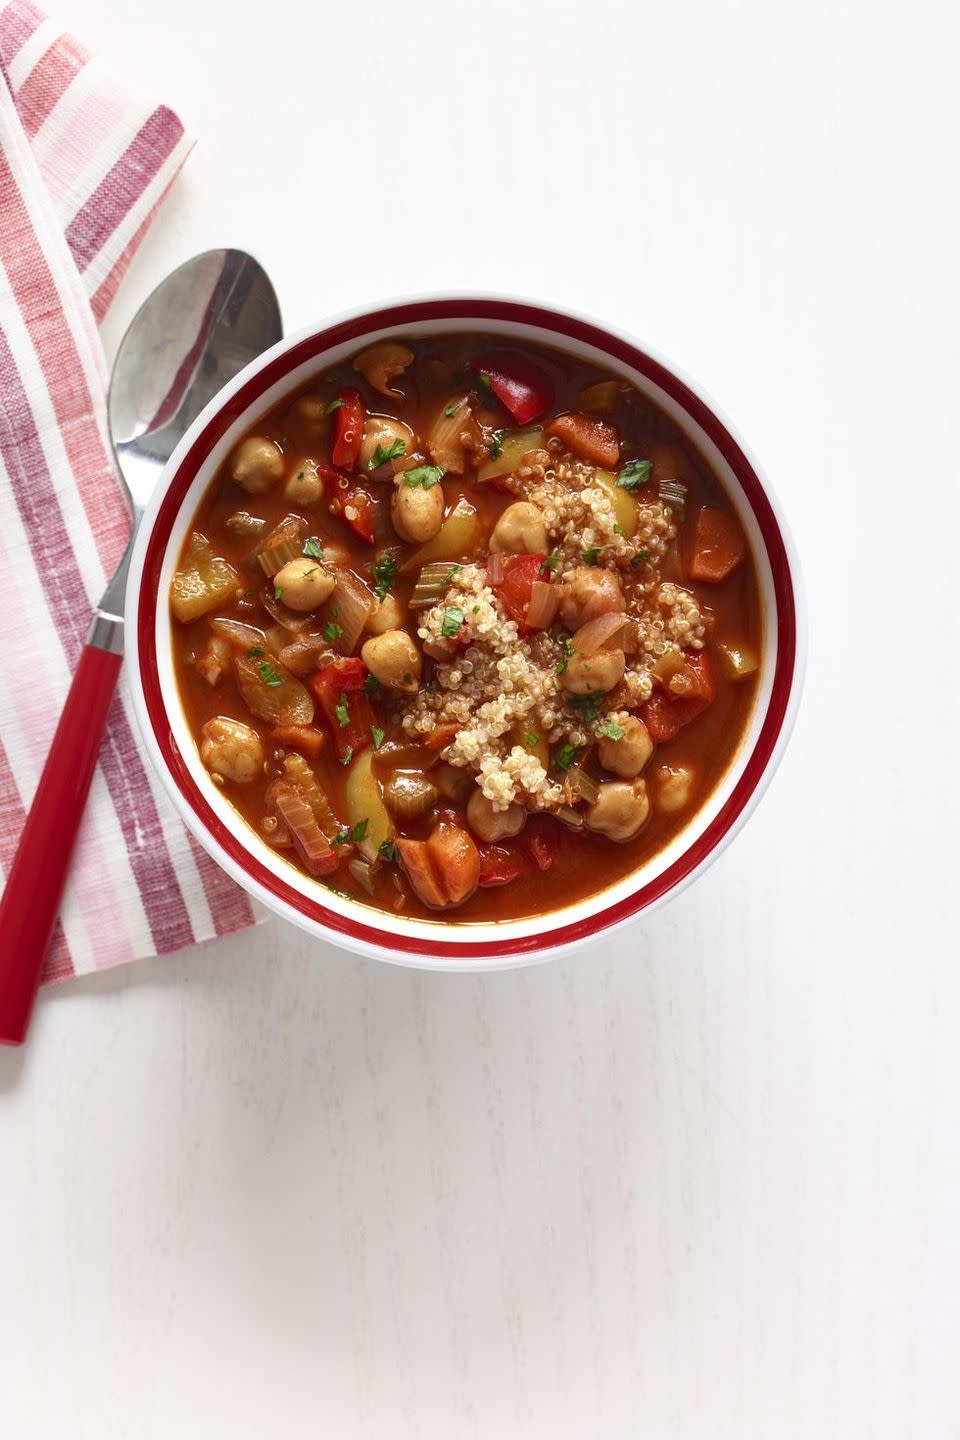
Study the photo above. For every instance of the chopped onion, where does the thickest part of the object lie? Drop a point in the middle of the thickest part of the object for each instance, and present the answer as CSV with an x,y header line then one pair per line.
x,y
306,654
674,494
286,703
245,637
444,440
495,567
303,776
363,872
240,523
630,639
543,606
293,620
599,633
584,784
315,851
348,610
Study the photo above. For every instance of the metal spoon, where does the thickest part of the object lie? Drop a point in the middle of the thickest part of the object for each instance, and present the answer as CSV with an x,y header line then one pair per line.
x,y
200,326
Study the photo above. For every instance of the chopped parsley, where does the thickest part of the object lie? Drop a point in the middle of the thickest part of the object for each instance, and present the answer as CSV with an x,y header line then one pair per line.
x,y
565,660
530,740
378,736
634,474
452,620
426,476
587,705
564,757
610,730
638,556
384,572
359,830
334,405
589,557
347,755
495,447
550,564
341,837
332,631
313,547
268,675
450,411
278,592
371,685
484,379
256,652
387,851
342,711
618,529
385,453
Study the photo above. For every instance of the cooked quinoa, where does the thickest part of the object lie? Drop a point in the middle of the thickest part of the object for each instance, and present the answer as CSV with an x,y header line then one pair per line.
x,y
500,688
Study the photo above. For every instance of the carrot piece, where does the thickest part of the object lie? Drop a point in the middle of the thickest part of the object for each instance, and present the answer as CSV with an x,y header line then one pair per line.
x,y
418,865
457,862
307,740
593,440
718,545
660,717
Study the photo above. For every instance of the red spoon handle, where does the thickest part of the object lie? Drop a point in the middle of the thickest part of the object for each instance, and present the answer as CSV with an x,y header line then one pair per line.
x,y
31,898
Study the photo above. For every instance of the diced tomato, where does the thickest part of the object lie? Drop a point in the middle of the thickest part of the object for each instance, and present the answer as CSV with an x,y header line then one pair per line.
x,y
347,429
498,865
339,688
519,573
593,440
543,841
519,384
664,714
358,513
718,545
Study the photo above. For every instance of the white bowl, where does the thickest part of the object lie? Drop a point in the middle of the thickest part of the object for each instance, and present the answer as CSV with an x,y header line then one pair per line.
x,y
265,873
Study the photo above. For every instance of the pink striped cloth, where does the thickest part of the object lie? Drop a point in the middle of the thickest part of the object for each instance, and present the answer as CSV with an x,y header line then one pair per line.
x,y
83,168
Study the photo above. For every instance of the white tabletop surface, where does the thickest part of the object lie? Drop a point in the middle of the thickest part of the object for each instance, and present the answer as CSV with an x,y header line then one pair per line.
x,y
702,1180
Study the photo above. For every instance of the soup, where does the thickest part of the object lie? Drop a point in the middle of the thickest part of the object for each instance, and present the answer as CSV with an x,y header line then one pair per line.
x,y
466,630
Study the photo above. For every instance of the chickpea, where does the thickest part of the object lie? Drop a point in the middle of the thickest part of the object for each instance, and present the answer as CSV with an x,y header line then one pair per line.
x,y
628,755
381,432
305,583
386,616
231,750
619,810
587,592
417,514
520,530
490,824
310,413
674,788
304,486
256,464
586,673
393,659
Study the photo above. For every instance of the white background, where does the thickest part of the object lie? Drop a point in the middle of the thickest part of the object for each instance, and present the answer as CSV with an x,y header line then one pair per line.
x,y
700,1181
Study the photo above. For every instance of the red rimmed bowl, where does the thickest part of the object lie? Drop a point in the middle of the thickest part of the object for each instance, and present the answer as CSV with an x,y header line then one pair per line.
x,y
260,869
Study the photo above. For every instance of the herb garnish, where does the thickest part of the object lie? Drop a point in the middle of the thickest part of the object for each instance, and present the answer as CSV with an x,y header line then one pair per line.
x,y
384,453
371,684
450,411
278,592
384,572
589,557
342,711
313,547
347,755
530,740
484,379
634,473
452,620
268,675
426,476
256,652
610,730
378,736
332,631
334,405
565,660
587,705
387,851
495,447
638,556
564,757
618,529
550,564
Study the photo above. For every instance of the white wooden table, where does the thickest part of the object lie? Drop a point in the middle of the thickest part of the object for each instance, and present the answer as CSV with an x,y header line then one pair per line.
x,y
700,1181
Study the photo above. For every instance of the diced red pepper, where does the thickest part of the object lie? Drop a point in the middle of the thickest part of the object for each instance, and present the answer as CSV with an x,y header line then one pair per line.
x,y
543,841
358,513
514,590
498,865
664,714
519,384
339,689
347,429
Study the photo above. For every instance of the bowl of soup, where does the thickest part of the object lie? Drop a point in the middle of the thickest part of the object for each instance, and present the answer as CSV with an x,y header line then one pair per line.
x,y
463,630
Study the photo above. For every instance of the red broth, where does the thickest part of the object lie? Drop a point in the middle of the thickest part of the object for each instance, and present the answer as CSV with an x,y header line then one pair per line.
x,y
701,685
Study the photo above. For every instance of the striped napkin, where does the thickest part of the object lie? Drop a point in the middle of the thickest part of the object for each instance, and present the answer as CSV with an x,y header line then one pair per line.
x,y
83,168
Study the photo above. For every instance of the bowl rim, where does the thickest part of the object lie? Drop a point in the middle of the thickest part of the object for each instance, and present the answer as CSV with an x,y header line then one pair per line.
x,y
483,951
